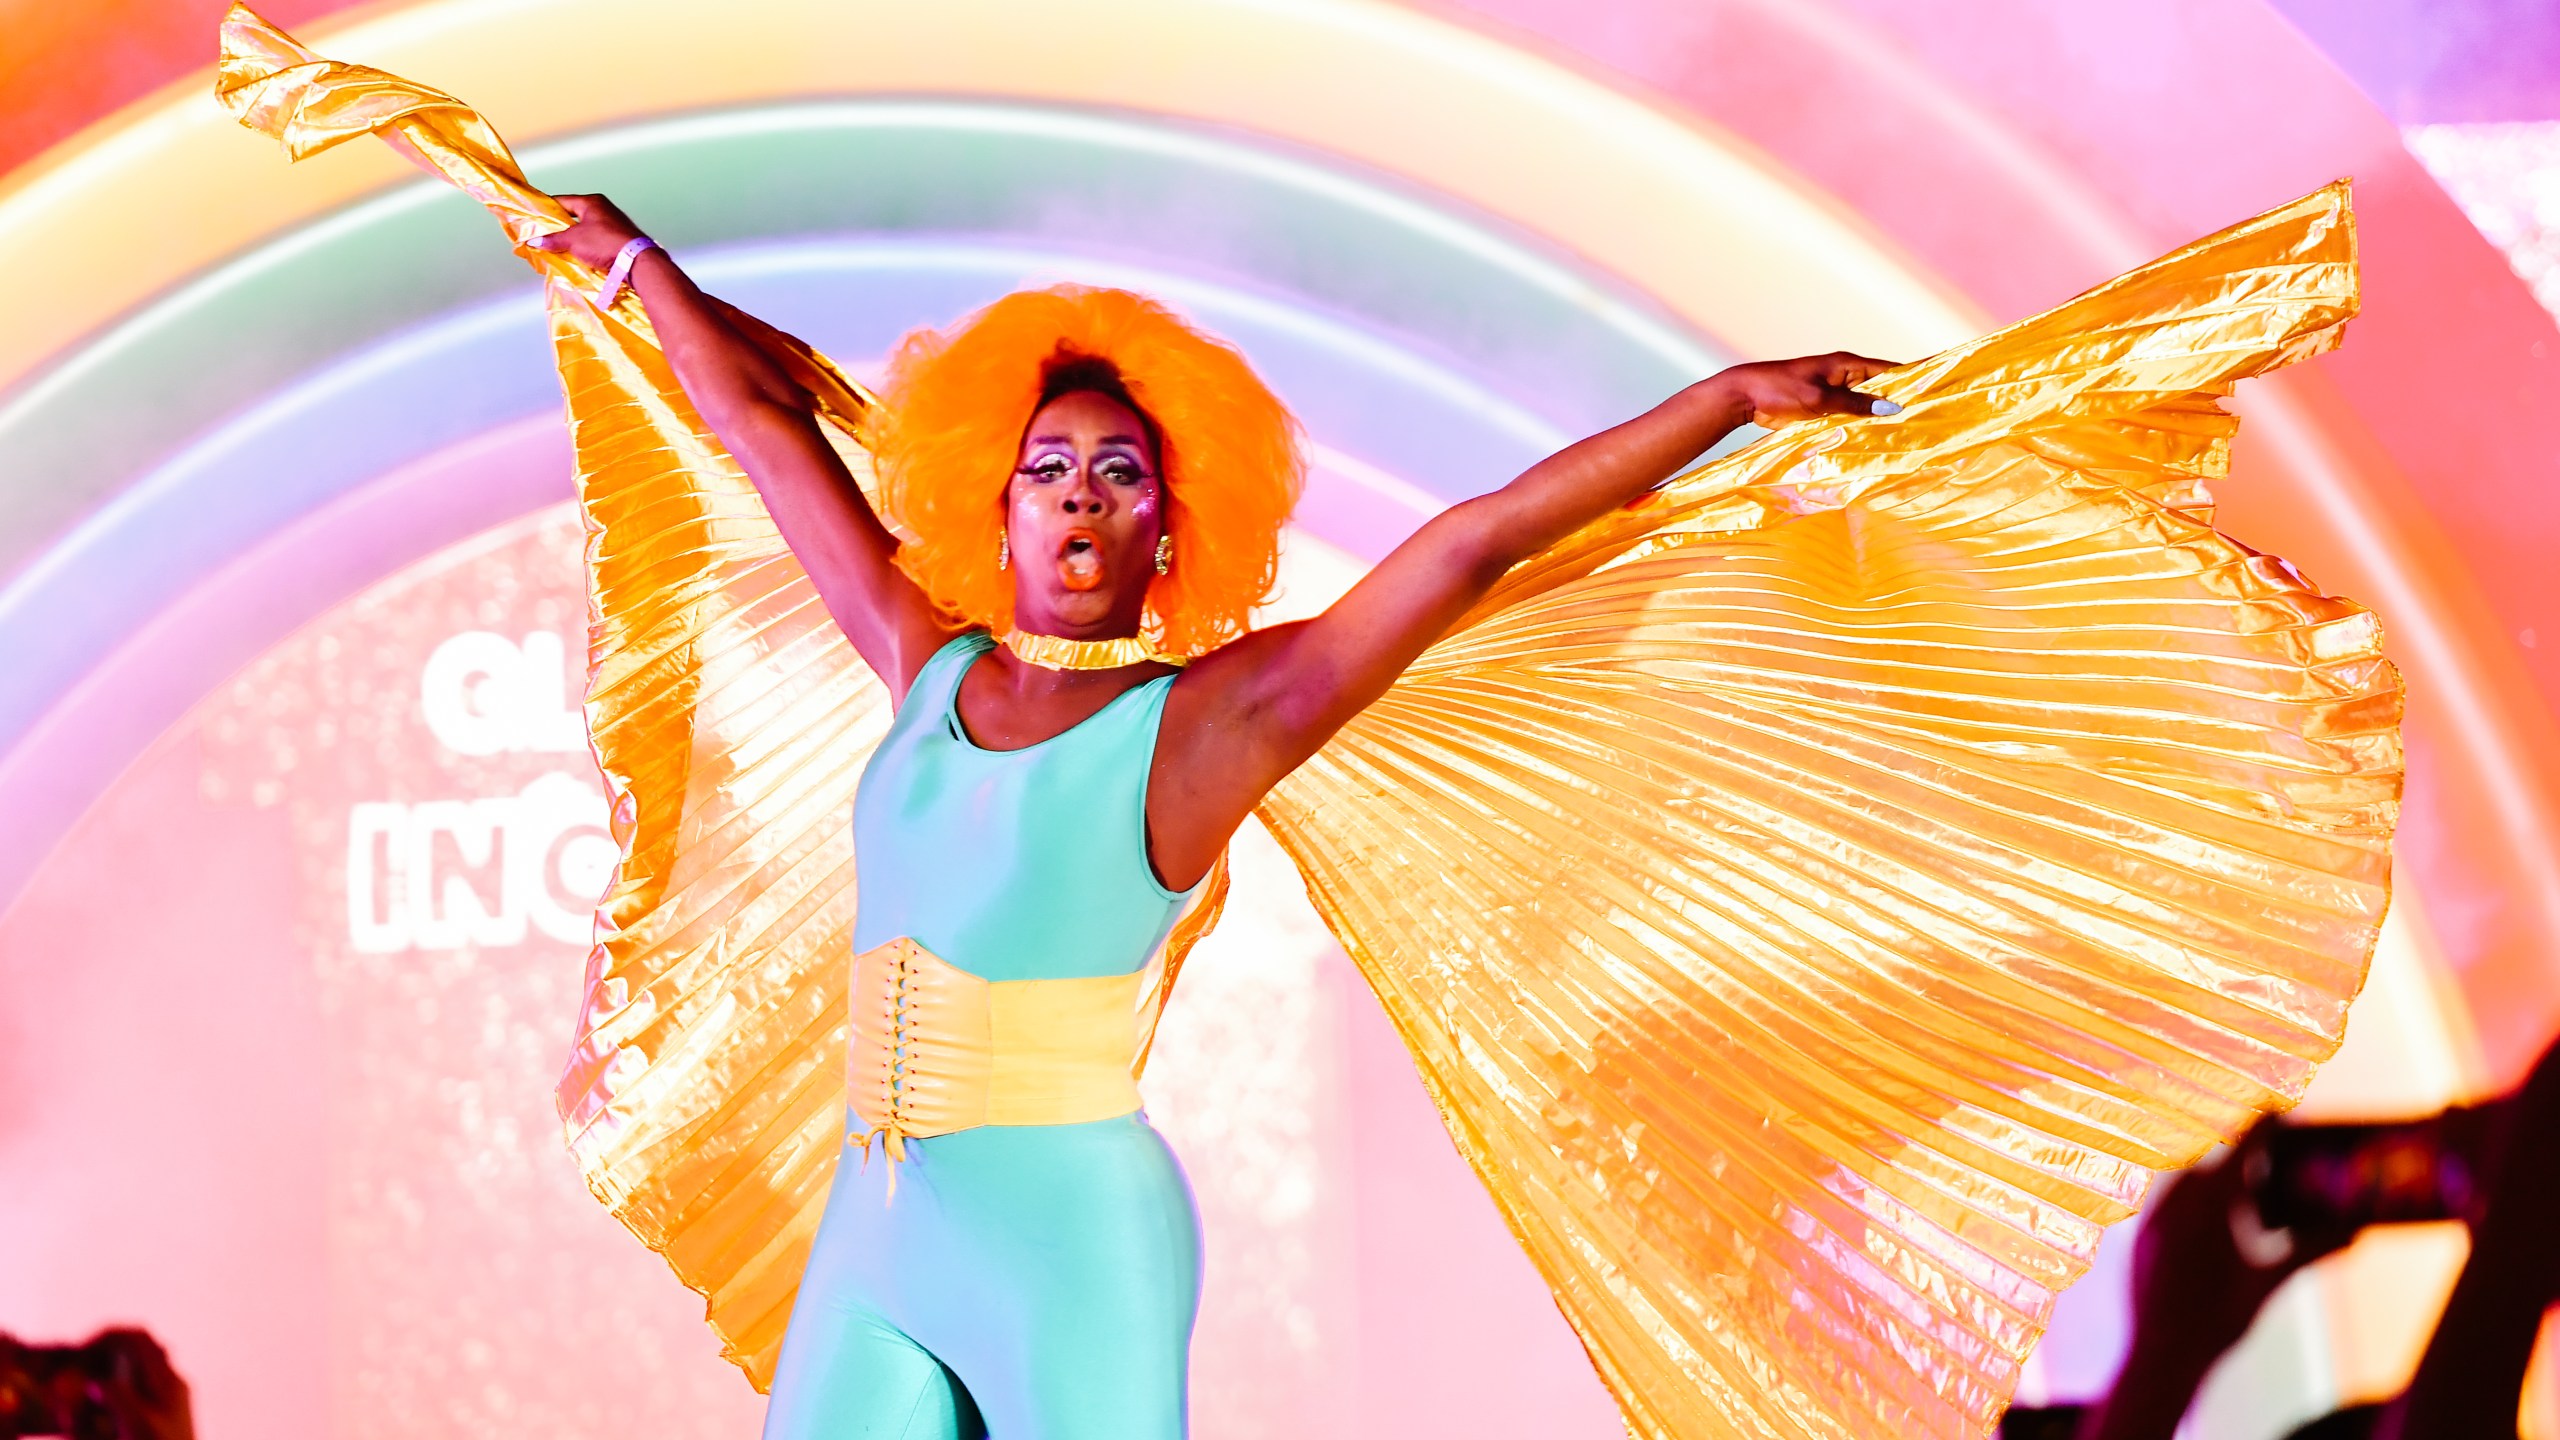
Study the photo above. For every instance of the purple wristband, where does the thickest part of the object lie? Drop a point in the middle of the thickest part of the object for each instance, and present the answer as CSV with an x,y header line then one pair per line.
x,y
623,260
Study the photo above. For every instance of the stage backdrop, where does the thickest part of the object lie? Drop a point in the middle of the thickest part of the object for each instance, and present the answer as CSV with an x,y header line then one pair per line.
x,y
301,830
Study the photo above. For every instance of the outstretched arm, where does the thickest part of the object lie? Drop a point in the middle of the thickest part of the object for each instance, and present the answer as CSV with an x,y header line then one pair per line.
x,y
769,423
1250,713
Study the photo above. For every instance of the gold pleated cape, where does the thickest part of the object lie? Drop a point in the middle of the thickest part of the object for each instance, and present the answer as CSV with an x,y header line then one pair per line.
x,y
1818,898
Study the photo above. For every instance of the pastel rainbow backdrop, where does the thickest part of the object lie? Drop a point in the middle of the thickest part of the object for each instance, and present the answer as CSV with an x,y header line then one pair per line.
x,y
233,392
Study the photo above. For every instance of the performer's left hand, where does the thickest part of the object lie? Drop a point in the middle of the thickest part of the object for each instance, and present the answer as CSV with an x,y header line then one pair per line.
x,y
598,233
1781,392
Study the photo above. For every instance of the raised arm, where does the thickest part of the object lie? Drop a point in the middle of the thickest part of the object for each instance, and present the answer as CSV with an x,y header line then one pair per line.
x,y
1248,714
769,424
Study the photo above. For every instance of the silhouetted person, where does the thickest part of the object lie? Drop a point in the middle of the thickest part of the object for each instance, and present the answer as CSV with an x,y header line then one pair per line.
x,y
2225,1234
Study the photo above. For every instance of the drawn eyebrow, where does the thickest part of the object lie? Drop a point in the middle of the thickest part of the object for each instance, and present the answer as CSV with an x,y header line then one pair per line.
x,y
1131,441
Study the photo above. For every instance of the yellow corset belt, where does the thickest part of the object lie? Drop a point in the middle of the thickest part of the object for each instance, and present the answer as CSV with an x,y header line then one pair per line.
x,y
936,1049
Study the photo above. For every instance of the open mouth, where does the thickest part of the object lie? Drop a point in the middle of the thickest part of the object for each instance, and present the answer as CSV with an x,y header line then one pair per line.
x,y
1080,560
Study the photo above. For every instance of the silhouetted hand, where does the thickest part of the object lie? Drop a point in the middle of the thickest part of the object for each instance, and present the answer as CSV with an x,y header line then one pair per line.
x,y
141,1389
2202,1268
117,1386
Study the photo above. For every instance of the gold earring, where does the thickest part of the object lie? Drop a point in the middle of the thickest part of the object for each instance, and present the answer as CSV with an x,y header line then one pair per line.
x,y
1164,554
1004,551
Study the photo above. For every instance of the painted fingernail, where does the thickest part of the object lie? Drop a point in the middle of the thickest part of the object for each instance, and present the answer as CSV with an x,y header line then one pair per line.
x,y
1885,407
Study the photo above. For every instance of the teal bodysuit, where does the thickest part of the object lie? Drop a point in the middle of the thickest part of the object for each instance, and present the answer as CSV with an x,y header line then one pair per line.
x,y
1030,1282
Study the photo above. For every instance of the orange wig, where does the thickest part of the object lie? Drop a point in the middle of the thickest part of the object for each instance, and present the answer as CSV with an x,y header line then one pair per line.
x,y
1228,451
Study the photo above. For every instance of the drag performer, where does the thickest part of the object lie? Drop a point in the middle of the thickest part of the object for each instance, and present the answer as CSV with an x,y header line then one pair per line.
x,y
1819,888
1055,789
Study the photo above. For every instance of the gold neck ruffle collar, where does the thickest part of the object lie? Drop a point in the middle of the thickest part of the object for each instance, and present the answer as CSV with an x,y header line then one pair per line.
x,y
1056,652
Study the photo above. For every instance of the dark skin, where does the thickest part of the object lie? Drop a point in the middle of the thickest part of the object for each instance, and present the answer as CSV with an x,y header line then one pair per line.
x,y
1085,509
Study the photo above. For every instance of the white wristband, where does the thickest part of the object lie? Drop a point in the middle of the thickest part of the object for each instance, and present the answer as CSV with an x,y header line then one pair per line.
x,y
623,260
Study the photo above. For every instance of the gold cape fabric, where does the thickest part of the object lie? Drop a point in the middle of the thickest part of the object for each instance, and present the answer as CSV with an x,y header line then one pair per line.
x,y
1818,898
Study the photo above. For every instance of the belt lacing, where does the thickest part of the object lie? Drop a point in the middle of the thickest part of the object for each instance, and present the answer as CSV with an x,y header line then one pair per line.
x,y
891,1132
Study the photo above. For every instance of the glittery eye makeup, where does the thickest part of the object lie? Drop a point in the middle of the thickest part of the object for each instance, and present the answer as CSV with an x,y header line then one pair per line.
x,y
1116,469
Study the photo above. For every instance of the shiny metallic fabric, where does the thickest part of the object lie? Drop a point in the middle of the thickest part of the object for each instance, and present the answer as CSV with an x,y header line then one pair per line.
x,y
1818,897
1056,652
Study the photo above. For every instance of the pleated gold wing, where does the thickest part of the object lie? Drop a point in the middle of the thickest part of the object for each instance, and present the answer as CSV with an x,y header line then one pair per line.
x,y
1819,899
704,1098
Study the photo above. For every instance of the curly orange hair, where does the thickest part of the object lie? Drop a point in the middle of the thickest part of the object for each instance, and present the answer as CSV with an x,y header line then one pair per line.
x,y
1227,448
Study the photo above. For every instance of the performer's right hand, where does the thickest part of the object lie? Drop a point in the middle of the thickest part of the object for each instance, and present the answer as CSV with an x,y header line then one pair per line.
x,y
598,233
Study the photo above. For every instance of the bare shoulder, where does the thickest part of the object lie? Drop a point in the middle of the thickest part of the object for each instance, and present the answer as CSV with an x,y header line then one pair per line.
x,y
913,645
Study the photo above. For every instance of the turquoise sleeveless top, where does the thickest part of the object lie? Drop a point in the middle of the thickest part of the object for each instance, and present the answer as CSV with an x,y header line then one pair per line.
x,y
1026,864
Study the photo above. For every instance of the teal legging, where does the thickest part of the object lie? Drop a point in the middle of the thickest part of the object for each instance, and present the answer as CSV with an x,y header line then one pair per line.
x,y
1027,1282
